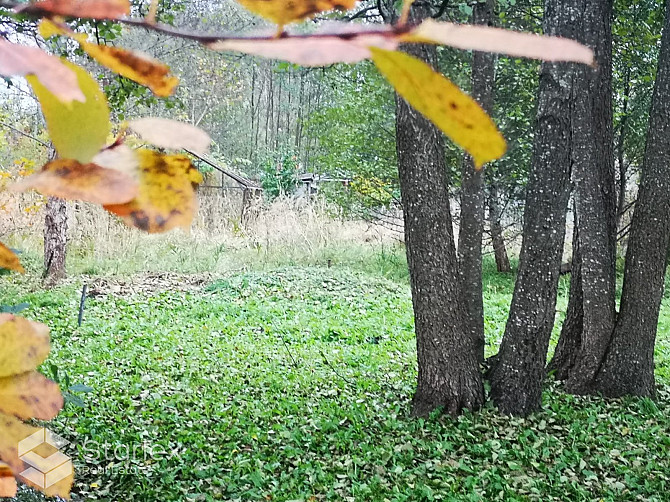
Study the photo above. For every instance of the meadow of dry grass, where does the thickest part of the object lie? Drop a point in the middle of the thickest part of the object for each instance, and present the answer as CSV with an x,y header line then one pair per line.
x,y
285,232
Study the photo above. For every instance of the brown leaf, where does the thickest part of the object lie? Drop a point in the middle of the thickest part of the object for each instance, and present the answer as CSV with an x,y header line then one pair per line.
x,y
501,41
283,12
25,344
30,395
133,65
69,179
335,43
9,260
93,9
166,198
166,133
18,60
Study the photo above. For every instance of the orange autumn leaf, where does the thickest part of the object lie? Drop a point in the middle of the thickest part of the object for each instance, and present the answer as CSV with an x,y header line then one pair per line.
x,y
7,481
443,103
69,179
53,74
133,65
166,196
94,9
9,260
284,12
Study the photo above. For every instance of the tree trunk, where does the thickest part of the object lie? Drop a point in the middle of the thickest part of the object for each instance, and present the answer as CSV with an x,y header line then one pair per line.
x,y
518,372
55,237
472,194
628,367
495,215
449,374
595,205
55,240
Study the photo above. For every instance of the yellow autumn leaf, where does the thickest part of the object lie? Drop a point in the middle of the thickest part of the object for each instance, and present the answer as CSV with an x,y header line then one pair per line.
x,y
130,64
78,130
9,260
166,196
443,103
30,395
25,345
13,431
284,12
7,482
68,179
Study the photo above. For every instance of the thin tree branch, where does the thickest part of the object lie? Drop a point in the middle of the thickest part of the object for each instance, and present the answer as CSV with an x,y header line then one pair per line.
x,y
45,145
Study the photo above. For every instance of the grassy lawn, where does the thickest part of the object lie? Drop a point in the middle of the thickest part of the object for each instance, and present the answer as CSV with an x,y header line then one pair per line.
x,y
294,384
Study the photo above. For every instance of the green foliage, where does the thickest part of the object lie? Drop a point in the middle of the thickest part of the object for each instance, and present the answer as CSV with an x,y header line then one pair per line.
x,y
279,177
294,383
355,132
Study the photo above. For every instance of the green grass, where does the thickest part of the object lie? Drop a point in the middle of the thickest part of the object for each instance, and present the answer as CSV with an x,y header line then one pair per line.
x,y
294,383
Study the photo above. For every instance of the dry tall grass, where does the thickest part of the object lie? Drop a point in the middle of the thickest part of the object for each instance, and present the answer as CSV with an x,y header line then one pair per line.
x,y
285,232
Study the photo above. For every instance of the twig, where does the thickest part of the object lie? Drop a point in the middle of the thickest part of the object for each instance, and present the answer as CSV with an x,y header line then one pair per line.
x,y
45,145
325,360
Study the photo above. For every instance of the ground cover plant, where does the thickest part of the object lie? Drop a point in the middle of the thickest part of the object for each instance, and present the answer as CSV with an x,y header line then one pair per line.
x,y
293,383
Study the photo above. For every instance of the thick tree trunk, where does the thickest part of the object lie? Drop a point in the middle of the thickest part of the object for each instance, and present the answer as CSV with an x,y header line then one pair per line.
x,y
495,225
449,375
629,363
472,194
595,205
519,369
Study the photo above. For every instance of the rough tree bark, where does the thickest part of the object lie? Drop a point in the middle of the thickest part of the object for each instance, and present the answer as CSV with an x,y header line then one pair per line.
x,y
472,193
495,226
449,375
628,367
519,368
55,237
594,257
